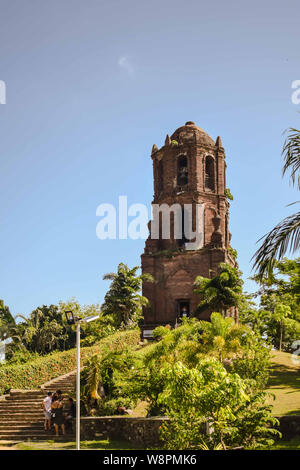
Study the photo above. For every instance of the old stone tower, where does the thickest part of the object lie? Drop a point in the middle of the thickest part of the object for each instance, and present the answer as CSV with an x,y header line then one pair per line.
x,y
189,170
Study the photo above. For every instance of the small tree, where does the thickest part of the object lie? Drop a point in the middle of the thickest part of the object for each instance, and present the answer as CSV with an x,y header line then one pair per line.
x,y
123,300
221,292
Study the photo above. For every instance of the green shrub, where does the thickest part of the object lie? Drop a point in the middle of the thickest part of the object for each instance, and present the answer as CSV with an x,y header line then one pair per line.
x,y
209,394
22,356
38,371
110,407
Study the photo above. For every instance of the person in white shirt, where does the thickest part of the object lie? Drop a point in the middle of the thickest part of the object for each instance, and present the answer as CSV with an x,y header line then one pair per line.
x,y
47,411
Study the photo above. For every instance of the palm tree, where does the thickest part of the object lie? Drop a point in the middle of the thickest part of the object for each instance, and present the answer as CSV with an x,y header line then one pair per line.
x,y
286,234
123,300
98,375
221,292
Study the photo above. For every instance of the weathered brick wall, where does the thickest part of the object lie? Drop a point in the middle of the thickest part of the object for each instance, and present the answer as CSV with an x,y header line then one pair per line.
x,y
143,431
175,277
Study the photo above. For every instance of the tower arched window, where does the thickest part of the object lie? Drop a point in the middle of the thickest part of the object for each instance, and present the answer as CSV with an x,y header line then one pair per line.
x,y
182,171
160,176
186,227
209,173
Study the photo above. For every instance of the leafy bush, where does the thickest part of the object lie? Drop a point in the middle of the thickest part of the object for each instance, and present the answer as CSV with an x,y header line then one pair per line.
x,y
236,347
34,373
111,407
209,395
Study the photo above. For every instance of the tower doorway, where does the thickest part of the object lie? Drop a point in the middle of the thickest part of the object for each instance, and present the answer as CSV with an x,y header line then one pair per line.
x,y
183,308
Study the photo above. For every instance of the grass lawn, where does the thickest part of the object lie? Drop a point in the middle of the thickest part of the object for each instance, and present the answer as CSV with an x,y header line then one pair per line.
x,y
285,384
105,444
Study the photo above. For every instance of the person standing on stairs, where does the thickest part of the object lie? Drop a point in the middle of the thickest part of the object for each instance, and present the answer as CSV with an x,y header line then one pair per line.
x,y
47,411
57,414
58,395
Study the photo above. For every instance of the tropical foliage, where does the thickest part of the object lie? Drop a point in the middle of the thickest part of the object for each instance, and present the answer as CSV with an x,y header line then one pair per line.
x,y
234,347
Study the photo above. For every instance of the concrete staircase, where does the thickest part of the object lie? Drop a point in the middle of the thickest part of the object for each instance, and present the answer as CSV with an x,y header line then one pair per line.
x,y
21,414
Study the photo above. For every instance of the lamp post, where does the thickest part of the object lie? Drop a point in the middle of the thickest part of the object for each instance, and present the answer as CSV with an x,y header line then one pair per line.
x,y
71,320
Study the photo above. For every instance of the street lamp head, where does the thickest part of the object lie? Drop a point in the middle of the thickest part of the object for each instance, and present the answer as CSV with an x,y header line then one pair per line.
x,y
70,317
92,318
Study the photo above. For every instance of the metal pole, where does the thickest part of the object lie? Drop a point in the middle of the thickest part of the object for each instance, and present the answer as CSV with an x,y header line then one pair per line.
x,y
78,386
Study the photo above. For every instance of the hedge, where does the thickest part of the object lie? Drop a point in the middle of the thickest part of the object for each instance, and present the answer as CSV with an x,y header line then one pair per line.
x,y
34,373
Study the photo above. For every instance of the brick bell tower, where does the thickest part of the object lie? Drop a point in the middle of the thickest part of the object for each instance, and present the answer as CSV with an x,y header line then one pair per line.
x,y
189,169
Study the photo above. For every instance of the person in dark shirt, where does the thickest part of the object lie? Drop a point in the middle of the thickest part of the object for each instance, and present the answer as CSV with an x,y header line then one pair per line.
x,y
71,413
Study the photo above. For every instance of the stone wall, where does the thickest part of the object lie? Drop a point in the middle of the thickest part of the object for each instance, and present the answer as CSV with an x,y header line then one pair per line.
x,y
143,431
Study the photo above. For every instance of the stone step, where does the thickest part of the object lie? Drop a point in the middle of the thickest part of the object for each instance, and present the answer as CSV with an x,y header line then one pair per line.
x,y
37,437
71,378
28,432
62,382
18,415
24,411
8,415
12,406
16,404
19,427
21,414
24,399
63,390
19,409
28,421
29,400
58,386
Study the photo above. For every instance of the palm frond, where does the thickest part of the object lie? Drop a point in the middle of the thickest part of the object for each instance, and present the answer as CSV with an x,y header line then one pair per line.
x,y
291,153
109,276
285,236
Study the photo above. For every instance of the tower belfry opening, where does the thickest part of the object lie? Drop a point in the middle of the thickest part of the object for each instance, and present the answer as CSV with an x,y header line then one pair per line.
x,y
182,174
209,173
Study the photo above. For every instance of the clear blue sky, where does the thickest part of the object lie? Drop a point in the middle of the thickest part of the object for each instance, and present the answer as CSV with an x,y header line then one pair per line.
x,y
92,85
